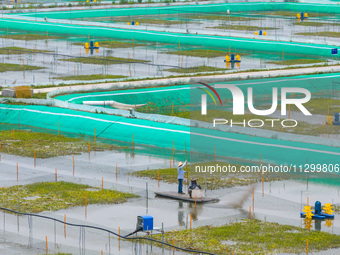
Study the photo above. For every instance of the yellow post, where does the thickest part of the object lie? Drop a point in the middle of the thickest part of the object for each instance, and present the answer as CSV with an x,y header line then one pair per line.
x,y
249,212
89,151
46,245
173,243
173,151
133,143
195,201
190,220
307,201
118,232
101,252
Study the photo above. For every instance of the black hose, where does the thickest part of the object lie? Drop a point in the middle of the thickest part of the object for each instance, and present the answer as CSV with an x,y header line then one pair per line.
x,y
106,230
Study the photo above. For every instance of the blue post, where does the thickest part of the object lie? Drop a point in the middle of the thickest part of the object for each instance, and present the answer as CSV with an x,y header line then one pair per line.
x,y
317,207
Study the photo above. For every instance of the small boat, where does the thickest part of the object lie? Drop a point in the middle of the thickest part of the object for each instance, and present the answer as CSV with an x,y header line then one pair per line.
x,y
185,197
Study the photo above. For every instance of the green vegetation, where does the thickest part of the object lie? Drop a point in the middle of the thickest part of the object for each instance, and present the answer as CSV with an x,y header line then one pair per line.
x,y
215,181
90,77
195,69
293,14
219,17
298,61
322,34
309,23
115,44
141,19
302,128
40,95
119,44
53,196
30,37
320,105
252,237
104,60
19,50
202,53
244,27
4,67
46,145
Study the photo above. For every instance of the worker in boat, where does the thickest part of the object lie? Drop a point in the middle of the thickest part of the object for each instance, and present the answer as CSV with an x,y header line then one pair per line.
x,y
193,185
180,176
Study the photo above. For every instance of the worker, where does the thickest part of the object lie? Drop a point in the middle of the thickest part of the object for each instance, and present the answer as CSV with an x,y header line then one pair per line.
x,y
193,185
180,176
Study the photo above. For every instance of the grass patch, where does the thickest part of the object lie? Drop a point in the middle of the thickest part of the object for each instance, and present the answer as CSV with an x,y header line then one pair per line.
x,y
293,14
89,77
199,53
244,27
252,237
195,69
5,67
30,37
143,20
215,181
46,145
322,34
19,50
319,106
220,17
40,95
115,44
53,196
104,60
289,62
303,128
309,23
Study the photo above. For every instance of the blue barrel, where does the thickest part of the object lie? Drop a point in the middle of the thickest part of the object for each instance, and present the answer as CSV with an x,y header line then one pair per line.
x,y
260,33
91,44
337,117
132,23
317,207
232,57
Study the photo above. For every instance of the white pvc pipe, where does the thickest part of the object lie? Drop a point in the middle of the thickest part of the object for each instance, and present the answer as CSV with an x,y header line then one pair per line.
x,y
114,104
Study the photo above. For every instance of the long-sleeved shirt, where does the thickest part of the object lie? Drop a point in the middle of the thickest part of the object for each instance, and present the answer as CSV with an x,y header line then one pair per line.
x,y
181,172
194,185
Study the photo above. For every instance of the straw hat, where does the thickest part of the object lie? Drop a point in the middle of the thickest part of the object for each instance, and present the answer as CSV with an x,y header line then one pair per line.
x,y
180,163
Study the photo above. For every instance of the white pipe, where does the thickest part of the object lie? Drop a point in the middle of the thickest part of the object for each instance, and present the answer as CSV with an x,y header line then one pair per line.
x,y
114,104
